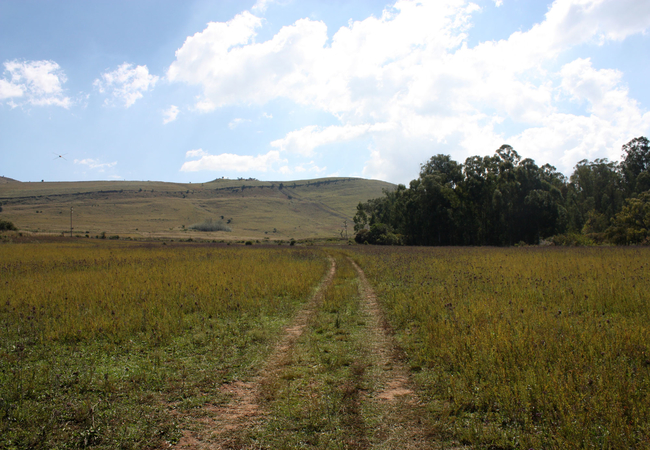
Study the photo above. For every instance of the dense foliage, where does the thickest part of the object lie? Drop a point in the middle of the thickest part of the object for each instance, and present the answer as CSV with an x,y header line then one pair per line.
x,y
504,200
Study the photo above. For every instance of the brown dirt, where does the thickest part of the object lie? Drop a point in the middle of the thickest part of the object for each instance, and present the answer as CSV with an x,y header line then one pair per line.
x,y
226,427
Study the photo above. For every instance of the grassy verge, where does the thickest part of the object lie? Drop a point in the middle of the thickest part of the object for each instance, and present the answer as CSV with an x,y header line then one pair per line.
x,y
102,343
524,348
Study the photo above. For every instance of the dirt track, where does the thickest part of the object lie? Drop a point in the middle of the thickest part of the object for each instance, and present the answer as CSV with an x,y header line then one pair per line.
x,y
390,398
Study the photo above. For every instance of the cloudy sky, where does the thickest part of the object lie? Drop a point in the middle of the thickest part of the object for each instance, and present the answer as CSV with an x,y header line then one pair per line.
x,y
195,90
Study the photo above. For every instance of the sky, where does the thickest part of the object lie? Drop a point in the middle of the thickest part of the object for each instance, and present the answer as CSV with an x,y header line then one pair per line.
x,y
194,90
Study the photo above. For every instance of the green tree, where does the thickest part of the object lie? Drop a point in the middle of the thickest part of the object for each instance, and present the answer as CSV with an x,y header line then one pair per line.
x,y
636,165
597,195
632,224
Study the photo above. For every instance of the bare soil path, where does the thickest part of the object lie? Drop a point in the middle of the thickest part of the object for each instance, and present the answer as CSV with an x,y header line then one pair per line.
x,y
226,426
398,413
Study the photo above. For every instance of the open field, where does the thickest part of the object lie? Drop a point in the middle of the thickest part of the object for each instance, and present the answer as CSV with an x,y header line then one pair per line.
x,y
253,209
111,344
524,348
102,345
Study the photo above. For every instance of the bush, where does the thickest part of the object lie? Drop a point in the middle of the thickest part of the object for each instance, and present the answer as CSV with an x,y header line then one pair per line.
x,y
5,225
378,234
572,240
249,242
210,225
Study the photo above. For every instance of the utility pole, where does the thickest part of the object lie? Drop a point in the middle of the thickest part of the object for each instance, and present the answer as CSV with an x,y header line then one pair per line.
x,y
71,221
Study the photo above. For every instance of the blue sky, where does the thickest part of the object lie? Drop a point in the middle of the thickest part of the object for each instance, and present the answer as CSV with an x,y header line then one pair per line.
x,y
285,89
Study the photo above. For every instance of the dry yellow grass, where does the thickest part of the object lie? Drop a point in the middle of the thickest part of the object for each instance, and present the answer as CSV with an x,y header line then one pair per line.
x,y
525,348
255,209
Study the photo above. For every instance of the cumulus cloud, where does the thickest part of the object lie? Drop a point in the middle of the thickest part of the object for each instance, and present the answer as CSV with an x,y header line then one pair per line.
x,y
196,153
95,164
305,140
126,84
35,83
170,114
409,80
230,162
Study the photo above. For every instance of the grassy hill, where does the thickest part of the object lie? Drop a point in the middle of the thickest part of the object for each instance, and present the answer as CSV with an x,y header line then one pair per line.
x,y
253,209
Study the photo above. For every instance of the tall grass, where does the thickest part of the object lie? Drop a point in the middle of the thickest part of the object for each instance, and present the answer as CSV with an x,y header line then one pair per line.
x,y
97,340
525,348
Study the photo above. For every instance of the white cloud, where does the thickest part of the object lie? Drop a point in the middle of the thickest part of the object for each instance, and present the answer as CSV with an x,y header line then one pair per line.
x,y
498,3
196,153
170,114
236,122
305,140
9,90
230,162
409,81
36,82
126,83
262,5
95,164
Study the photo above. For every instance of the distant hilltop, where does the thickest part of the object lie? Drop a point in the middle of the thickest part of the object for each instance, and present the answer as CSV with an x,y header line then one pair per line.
x,y
8,180
267,211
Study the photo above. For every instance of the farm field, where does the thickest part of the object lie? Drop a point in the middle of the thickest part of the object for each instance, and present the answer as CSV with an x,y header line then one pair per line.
x,y
113,344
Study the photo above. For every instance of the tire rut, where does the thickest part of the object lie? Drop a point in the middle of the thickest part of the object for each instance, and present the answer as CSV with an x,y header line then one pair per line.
x,y
399,412
226,426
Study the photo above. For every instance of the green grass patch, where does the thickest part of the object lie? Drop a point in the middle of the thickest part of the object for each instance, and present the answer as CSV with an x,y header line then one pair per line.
x,y
315,402
117,345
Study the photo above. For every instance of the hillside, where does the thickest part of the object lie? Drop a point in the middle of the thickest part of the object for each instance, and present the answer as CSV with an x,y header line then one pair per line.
x,y
255,209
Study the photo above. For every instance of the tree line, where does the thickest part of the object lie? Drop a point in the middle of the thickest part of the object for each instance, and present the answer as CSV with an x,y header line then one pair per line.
x,y
506,200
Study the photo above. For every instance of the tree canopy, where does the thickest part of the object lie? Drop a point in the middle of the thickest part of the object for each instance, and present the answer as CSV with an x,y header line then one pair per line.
x,y
504,200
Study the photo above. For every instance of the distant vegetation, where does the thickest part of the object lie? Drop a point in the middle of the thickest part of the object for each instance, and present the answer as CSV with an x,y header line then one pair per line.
x,y
506,200
6,225
210,225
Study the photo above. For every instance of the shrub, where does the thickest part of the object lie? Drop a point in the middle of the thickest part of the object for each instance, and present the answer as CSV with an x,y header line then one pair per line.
x,y
378,234
7,225
249,242
210,225
571,240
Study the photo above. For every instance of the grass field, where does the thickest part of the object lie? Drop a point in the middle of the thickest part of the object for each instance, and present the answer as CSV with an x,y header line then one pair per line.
x,y
525,348
112,344
101,344
252,209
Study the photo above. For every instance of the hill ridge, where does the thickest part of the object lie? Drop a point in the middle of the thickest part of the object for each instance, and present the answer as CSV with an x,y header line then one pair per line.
x,y
270,210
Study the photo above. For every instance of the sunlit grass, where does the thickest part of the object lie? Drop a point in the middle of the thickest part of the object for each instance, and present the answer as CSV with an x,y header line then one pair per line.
x,y
525,348
101,342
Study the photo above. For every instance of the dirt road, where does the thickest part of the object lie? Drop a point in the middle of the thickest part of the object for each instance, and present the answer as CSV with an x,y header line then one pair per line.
x,y
369,399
